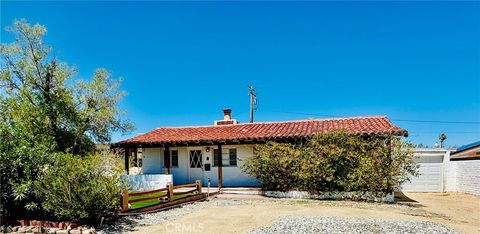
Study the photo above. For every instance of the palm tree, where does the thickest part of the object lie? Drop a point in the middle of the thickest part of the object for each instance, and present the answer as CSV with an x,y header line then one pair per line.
x,y
442,137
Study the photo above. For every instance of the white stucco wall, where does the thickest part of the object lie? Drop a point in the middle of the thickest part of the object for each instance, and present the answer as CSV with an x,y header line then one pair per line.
x,y
152,163
147,182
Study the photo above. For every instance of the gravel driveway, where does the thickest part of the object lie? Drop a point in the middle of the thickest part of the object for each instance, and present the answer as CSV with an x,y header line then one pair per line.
x,y
325,224
429,213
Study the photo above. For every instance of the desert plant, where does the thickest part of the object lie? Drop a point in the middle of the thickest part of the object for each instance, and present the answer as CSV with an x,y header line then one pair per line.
x,y
79,188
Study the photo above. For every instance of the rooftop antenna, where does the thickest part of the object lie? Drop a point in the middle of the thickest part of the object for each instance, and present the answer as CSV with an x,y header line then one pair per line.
x,y
253,101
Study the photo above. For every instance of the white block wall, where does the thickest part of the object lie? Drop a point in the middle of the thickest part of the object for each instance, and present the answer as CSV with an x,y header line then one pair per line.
x,y
463,176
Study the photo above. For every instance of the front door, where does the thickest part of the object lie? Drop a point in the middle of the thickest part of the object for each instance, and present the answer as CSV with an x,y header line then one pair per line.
x,y
195,170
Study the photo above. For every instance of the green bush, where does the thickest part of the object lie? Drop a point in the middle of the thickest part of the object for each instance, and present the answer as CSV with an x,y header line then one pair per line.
x,y
335,161
273,165
79,189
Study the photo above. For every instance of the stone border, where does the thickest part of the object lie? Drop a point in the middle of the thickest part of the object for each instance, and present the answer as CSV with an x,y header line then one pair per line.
x,y
357,196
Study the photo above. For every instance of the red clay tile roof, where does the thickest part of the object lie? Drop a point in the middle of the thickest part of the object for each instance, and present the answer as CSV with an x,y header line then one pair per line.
x,y
261,131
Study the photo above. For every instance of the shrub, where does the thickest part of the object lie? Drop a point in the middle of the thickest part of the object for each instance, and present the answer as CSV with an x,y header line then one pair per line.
x,y
79,189
336,161
273,165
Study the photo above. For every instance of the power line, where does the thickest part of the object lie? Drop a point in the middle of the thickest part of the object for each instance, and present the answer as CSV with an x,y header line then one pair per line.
x,y
435,121
399,120
302,113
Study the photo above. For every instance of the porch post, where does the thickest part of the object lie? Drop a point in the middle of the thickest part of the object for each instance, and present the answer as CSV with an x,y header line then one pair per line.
x,y
127,161
166,157
219,166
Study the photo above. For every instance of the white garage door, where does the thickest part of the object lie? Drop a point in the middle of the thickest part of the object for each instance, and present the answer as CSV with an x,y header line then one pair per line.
x,y
430,178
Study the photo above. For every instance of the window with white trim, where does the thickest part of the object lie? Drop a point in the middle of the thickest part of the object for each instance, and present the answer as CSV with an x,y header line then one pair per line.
x,y
229,158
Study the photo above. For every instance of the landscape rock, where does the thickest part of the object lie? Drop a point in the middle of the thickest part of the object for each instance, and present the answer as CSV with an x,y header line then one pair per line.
x,y
327,224
359,195
22,229
75,231
52,230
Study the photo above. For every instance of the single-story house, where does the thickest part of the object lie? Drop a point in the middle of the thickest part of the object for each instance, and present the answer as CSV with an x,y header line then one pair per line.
x,y
217,152
467,152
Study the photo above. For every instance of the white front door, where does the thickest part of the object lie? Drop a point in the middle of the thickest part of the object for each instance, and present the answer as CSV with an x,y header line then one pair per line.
x,y
195,170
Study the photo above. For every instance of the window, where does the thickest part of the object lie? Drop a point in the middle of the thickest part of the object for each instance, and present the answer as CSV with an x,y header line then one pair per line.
x,y
232,153
228,160
215,157
173,159
195,159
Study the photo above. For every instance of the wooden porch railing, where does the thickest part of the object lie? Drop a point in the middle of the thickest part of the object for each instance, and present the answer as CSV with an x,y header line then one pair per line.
x,y
197,188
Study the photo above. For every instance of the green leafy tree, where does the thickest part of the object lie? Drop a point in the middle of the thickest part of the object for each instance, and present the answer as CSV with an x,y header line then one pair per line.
x,y
45,110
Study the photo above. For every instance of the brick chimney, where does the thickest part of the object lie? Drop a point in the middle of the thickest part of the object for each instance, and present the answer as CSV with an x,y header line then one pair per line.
x,y
227,114
227,118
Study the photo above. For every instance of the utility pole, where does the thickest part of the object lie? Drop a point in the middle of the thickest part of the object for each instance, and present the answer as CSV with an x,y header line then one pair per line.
x,y
253,101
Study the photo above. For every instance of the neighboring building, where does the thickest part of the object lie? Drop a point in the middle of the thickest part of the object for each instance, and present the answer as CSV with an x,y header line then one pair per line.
x,y
467,152
217,152
447,170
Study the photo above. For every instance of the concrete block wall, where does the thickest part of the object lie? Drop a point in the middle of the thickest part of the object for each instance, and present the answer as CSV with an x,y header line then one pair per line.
x,y
464,176
450,178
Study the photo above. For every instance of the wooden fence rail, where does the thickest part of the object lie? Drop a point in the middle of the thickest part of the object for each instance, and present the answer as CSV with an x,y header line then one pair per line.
x,y
197,188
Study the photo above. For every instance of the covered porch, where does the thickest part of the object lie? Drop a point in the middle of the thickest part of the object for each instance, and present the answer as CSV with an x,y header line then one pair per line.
x,y
218,165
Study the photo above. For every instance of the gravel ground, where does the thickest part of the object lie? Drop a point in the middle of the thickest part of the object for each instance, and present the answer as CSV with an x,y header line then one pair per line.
x,y
325,224
128,223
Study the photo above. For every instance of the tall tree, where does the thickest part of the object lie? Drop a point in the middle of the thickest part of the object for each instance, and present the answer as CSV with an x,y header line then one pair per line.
x,y
45,109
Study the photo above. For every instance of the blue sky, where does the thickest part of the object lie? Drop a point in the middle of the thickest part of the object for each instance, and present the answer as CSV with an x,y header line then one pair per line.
x,y
184,61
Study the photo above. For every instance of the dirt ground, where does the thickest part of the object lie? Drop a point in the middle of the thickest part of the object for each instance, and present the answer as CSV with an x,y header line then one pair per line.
x,y
458,211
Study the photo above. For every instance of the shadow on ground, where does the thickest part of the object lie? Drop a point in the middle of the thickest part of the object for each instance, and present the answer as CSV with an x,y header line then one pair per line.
x,y
401,198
